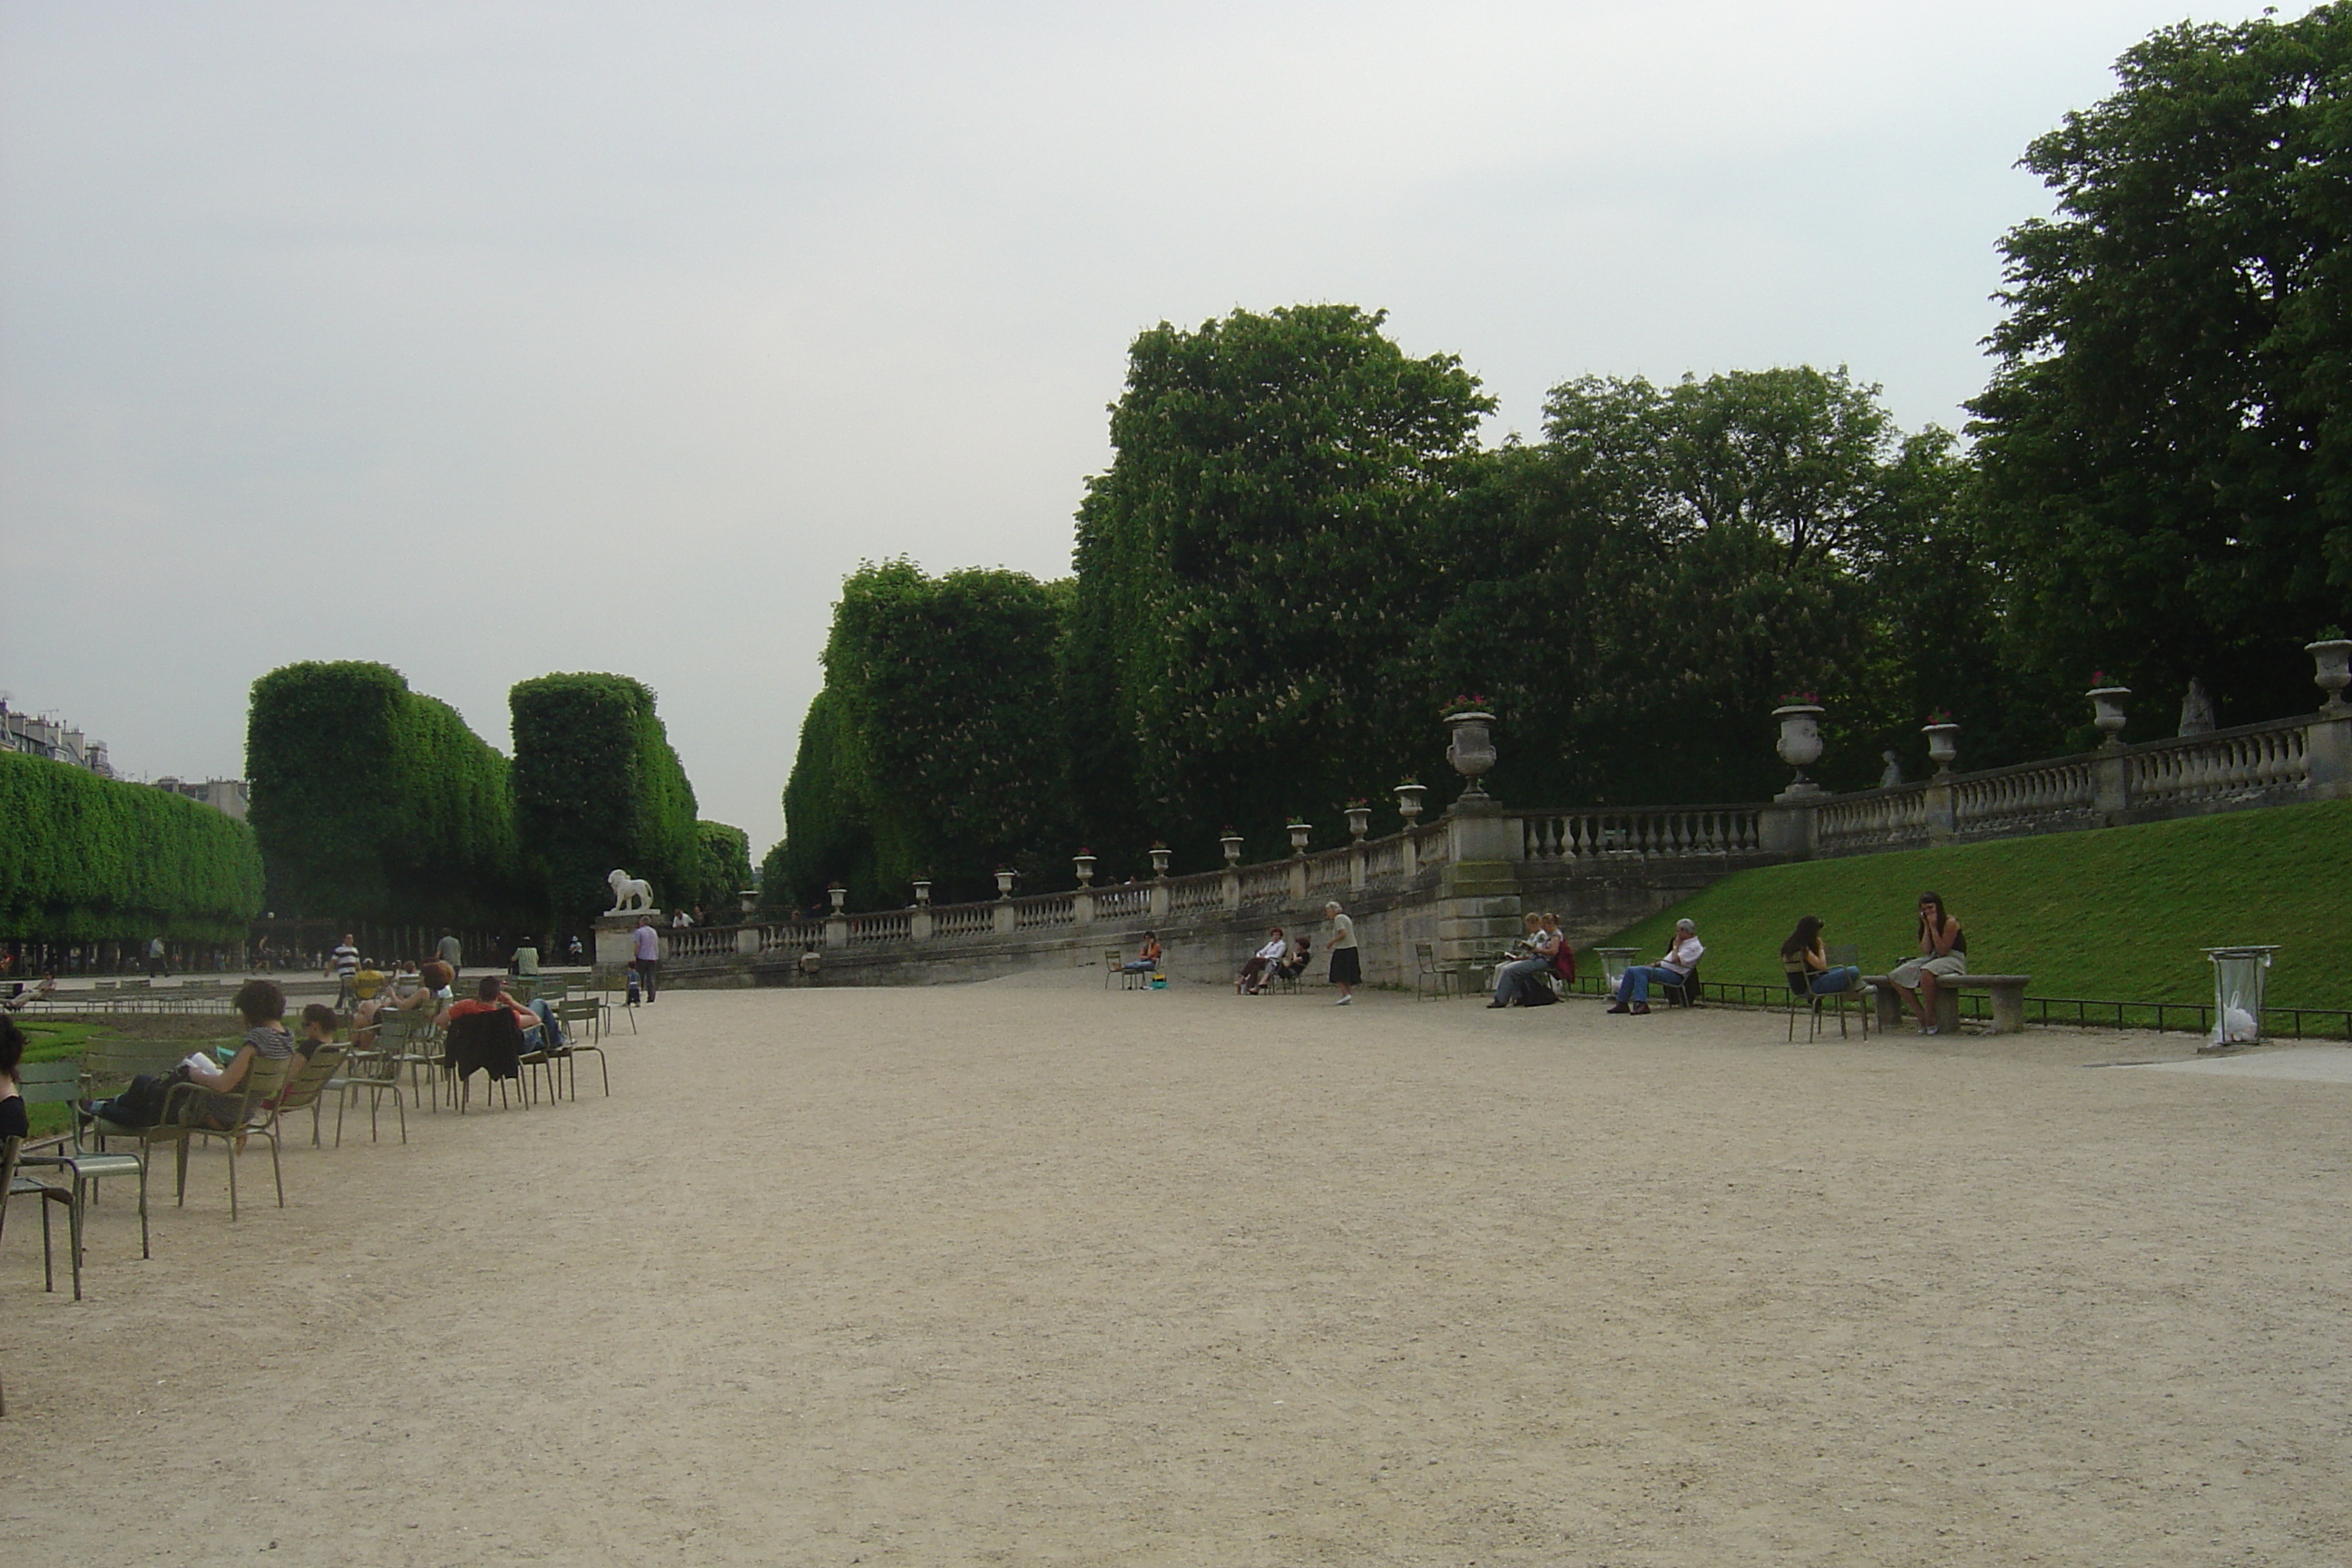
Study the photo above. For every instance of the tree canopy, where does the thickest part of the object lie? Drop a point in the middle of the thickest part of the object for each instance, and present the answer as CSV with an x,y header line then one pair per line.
x,y
597,788
2165,444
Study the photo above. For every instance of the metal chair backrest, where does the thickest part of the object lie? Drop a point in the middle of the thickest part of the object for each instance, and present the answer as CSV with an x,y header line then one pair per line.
x,y
1845,952
108,1065
308,1080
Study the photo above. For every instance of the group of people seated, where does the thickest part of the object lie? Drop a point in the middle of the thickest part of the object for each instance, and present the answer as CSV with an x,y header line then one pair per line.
x,y
1942,956
1282,958
1519,981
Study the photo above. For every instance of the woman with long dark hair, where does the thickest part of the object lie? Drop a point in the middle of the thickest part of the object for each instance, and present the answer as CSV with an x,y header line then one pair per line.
x,y
1943,954
1804,951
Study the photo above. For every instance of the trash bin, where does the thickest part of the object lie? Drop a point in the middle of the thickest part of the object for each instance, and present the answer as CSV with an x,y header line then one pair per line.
x,y
2237,975
1614,962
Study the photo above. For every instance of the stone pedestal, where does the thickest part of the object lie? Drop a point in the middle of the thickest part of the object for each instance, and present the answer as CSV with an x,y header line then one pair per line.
x,y
1786,826
616,940
2327,750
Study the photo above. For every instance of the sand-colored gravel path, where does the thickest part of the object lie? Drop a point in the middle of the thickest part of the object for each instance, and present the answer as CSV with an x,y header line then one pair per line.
x,y
1030,1273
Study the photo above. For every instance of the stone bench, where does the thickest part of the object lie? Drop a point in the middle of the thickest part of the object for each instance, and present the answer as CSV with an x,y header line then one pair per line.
x,y
2008,992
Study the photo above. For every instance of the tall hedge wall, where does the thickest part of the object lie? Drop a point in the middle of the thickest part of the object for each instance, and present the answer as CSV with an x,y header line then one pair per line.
x,y
597,788
826,838
84,858
375,803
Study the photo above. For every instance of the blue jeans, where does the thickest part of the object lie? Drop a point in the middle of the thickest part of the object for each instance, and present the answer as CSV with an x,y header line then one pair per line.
x,y
1839,977
1636,986
1508,979
548,1029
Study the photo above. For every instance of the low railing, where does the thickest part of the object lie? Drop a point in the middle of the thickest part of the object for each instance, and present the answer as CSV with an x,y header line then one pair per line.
x,y
1662,831
793,936
2250,761
963,920
1123,903
1891,819
1190,895
1266,884
700,942
2028,798
867,931
1049,910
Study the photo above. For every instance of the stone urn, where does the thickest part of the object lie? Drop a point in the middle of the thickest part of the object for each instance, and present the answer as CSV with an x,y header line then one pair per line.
x,y
1004,875
1408,796
1159,860
1943,746
839,895
1470,750
2333,659
1231,843
1086,869
1801,743
1359,821
922,893
2107,711
1298,832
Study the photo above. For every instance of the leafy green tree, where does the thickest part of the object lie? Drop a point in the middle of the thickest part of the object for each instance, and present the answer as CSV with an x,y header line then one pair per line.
x,y
725,869
1637,593
945,691
597,788
375,803
1253,571
2166,444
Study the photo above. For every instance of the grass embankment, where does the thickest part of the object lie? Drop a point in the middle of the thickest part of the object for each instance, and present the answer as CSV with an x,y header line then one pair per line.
x,y
63,1039
2118,913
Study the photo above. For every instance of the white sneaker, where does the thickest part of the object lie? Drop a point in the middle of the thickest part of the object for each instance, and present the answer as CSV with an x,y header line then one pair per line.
x,y
1344,1001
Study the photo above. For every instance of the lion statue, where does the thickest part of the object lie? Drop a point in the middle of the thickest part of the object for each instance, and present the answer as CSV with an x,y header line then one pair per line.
x,y
629,892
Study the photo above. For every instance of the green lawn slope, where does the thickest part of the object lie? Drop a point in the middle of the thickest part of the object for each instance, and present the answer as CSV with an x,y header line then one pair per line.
x,y
2118,914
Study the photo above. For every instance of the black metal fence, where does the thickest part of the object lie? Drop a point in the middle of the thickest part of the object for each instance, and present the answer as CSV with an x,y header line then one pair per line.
x,y
2296,1023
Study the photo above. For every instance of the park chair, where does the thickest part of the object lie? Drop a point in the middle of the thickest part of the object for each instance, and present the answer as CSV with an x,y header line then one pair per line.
x,y
238,1110
1801,996
107,1066
617,981
307,1082
1683,992
1848,954
371,1070
489,1043
1430,978
60,1083
406,1042
13,1184
580,1010
1112,958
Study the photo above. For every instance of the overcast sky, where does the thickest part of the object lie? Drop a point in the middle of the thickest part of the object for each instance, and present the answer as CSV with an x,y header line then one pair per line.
x,y
492,338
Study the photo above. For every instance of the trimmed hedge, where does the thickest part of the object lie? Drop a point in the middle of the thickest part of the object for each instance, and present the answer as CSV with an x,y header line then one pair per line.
x,y
377,804
84,858
597,788
826,838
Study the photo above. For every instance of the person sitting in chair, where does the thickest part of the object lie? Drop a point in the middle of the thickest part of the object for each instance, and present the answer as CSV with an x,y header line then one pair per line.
x,y
1146,957
1674,969
536,1021
1253,973
1516,981
1802,955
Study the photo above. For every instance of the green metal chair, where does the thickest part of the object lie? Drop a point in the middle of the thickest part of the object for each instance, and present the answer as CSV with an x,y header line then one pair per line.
x,y
239,1110
14,1183
577,1010
373,1071
60,1083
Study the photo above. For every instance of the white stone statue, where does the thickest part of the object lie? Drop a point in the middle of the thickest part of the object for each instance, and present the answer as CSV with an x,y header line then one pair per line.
x,y
629,893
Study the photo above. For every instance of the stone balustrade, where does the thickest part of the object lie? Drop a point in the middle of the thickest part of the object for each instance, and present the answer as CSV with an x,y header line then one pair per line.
x,y
1459,883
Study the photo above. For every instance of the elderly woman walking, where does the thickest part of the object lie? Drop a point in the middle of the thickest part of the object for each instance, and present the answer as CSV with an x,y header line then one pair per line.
x,y
1347,968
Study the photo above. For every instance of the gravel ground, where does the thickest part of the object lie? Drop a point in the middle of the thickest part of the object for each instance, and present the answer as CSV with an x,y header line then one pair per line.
x,y
1032,1272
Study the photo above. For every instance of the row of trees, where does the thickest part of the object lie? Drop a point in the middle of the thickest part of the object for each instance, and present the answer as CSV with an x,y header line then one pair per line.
x,y
377,804
1300,552
86,859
